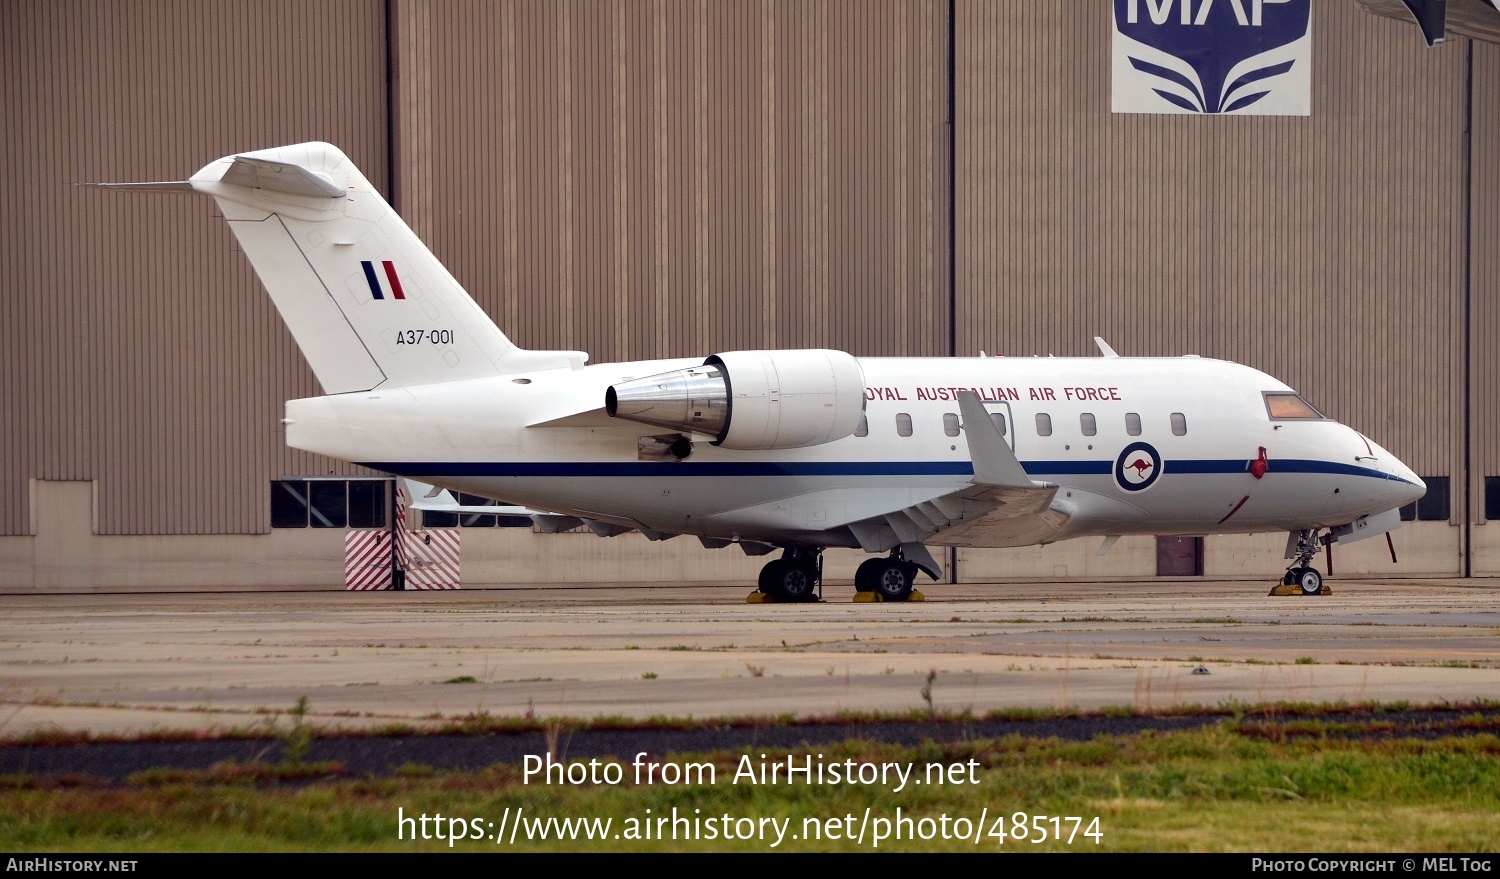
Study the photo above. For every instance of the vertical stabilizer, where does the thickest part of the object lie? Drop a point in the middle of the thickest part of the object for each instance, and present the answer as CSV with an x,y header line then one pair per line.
x,y
366,301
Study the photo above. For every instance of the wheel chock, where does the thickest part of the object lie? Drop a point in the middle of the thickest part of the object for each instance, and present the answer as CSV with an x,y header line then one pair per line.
x,y
916,595
759,598
1292,589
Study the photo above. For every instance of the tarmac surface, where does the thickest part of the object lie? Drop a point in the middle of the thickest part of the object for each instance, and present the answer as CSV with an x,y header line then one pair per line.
x,y
120,665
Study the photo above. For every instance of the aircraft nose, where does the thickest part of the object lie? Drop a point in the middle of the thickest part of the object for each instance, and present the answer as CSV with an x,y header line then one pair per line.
x,y
1401,486
1410,487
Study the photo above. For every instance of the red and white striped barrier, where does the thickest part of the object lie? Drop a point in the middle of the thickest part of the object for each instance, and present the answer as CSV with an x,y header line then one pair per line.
x,y
429,558
367,560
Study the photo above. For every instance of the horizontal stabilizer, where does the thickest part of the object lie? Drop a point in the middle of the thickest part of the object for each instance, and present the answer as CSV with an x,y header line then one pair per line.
x,y
274,176
163,186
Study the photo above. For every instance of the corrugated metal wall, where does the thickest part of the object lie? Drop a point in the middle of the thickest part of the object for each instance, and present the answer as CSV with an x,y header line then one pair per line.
x,y
139,350
673,178
658,178
1484,276
1326,250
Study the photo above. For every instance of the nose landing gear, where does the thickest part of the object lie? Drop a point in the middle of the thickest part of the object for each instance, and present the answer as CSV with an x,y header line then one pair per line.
x,y
1301,578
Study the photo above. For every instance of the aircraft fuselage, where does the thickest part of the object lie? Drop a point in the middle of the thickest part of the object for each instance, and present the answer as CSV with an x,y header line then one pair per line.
x,y
1135,445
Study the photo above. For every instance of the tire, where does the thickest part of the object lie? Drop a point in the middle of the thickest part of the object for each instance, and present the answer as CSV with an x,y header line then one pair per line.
x,y
867,574
769,574
1309,581
1290,577
894,581
791,581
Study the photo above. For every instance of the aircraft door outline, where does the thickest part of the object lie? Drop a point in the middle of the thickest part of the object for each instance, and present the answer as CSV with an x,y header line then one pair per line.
x,y
1008,430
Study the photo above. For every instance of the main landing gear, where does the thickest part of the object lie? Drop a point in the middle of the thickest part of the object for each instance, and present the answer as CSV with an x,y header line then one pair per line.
x,y
798,576
795,576
890,578
1302,576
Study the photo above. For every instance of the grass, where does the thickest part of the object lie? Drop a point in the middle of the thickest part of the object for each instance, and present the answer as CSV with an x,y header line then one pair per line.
x,y
1218,789
1349,780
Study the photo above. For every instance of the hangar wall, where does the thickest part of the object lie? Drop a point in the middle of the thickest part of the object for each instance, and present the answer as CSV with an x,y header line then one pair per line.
x,y
1484,301
1329,251
140,351
1324,250
672,178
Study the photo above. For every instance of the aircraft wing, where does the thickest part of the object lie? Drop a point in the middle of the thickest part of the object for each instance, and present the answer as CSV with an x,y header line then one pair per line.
x,y
1003,507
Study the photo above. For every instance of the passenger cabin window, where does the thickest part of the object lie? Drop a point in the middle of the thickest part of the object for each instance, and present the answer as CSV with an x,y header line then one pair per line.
x,y
999,421
864,426
950,423
903,424
1043,424
1133,423
1290,407
1087,424
1179,424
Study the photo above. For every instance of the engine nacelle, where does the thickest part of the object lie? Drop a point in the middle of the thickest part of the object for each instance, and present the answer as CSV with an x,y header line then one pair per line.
x,y
751,399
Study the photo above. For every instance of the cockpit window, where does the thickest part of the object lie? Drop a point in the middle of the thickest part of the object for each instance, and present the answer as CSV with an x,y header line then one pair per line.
x,y
1283,407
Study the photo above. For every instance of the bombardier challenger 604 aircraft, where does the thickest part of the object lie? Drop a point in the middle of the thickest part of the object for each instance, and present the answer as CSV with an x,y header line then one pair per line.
x,y
794,450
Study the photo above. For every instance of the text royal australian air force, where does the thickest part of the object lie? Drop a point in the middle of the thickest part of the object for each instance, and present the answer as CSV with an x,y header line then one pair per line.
x,y
993,394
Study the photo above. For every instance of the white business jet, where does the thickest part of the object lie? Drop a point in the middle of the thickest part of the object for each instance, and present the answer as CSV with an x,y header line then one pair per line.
x,y
794,450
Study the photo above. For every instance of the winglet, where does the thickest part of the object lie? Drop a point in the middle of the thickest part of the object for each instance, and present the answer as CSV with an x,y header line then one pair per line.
x,y
1104,349
994,462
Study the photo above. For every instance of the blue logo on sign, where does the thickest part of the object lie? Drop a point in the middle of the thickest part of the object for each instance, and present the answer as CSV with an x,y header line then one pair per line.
x,y
1213,38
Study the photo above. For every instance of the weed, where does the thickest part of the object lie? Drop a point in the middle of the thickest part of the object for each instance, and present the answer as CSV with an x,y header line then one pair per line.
x,y
299,738
756,671
649,676
927,695
553,735
462,679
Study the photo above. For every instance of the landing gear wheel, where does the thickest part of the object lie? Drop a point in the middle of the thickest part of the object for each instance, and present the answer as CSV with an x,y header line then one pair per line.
x,y
895,580
868,573
789,580
769,574
1290,577
796,583
1309,581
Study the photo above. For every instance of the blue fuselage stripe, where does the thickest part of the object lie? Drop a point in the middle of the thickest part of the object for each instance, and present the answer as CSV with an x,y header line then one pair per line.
x,y
653,469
